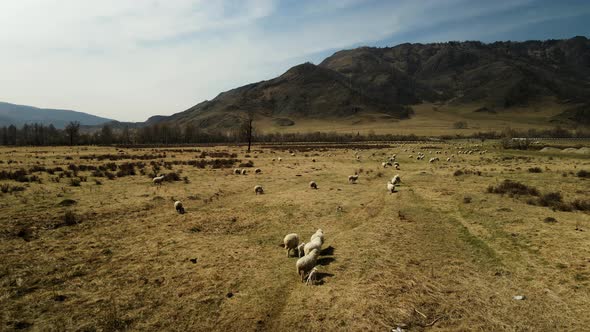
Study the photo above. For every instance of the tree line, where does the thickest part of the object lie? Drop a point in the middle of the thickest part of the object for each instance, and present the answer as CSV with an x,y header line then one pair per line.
x,y
167,134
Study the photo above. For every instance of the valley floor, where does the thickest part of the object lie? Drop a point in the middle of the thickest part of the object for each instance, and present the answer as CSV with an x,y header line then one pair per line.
x,y
439,254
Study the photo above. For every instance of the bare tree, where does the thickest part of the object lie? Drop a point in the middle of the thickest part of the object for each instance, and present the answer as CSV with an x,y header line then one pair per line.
x,y
73,131
246,131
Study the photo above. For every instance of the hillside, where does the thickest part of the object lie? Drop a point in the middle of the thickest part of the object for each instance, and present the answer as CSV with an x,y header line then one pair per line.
x,y
549,79
20,114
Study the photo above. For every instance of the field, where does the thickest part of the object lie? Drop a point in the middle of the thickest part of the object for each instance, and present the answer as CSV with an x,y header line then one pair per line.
x,y
88,243
432,119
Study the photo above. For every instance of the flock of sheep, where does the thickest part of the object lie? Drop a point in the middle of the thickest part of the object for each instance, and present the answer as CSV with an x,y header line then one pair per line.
x,y
308,253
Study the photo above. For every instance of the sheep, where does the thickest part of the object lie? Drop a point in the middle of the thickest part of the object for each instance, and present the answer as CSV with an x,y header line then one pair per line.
x,y
433,159
237,171
257,171
319,233
448,159
178,206
300,249
390,187
258,189
244,171
353,178
312,277
315,243
307,263
280,159
313,185
396,179
158,180
291,241
384,165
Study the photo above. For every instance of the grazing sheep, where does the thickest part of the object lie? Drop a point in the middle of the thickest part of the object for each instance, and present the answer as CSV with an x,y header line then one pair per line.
x,y
300,249
319,233
396,179
312,277
390,187
353,178
291,241
315,243
237,171
384,165
448,159
307,263
313,185
257,171
244,172
178,206
158,180
258,189
280,159
433,159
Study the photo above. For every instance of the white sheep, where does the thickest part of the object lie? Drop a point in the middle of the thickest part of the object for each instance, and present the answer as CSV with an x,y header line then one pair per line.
x,y
313,185
158,180
280,159
307,263
353,178
319,233
291,241
315,243
396,179
300,250
178,206
258,189
312,277
384,165
257,171
237,171
244,171
390,187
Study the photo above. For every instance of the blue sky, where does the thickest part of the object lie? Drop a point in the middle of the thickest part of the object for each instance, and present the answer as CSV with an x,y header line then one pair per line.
x,y
130,59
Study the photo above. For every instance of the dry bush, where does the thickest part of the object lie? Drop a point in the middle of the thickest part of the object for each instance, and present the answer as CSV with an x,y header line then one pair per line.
x,y
513,188
535,170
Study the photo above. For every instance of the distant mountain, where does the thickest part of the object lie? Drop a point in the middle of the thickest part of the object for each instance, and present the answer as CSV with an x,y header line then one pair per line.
x,y
385,81
18,115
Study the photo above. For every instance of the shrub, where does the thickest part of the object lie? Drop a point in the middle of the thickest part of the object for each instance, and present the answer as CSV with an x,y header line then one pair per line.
x,y
582,205
583,174
513,188
75,182
466,199
70,218
172,176
535,170
250,163
550,220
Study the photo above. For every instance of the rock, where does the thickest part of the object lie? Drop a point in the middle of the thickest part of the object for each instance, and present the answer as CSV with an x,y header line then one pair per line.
x,y
519,297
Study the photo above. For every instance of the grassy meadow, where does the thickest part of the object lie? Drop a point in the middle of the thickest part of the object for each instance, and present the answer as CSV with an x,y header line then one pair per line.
x,y
89,243
432,119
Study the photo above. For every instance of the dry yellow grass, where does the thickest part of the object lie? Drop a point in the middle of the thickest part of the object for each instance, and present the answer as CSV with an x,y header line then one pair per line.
x,y
430,119
418,256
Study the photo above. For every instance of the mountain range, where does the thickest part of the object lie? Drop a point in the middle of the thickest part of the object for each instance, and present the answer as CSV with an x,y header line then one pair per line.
x,y
389,82
531,83
19,115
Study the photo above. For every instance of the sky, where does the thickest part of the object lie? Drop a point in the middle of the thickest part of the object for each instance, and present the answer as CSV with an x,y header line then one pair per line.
x,y
131,59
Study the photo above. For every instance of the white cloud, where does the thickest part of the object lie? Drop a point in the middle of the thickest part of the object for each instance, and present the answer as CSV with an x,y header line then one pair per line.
x,y
130,59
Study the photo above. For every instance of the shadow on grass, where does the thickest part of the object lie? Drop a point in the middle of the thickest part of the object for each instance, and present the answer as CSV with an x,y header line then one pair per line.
x,y
324,261
328,251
